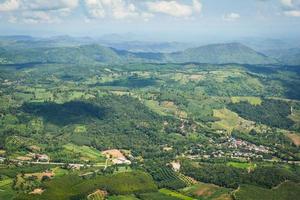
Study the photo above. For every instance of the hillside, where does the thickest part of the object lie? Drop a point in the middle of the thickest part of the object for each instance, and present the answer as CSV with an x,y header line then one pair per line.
x,y
286,56
15,51
222,53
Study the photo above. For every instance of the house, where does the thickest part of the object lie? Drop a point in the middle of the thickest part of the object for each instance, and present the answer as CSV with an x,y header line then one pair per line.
x,y
42,158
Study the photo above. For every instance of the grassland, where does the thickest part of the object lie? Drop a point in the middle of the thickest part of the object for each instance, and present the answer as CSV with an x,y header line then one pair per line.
x,y
295,138
86,153
285,191
122,197
6,189
165,108
174,194
252,100
207,192
240,165
157,196
229,121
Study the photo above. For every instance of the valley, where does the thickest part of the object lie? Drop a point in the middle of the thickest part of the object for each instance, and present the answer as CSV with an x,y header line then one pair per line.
x,y
74,125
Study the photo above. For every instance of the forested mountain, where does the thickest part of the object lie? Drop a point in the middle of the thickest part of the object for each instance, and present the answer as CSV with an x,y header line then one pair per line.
x,y
286,56
222,53
68,50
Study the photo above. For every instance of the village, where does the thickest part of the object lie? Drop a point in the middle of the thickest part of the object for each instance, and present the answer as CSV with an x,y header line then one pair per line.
x,y
232,148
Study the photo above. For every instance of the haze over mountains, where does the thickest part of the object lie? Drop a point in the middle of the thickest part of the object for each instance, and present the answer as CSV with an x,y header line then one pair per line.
x,y
65,49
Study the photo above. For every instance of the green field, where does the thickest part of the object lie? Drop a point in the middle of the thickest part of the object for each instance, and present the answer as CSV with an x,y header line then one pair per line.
x,y
85,152
175,194
122,197
252,100
207,192
285,191
248,166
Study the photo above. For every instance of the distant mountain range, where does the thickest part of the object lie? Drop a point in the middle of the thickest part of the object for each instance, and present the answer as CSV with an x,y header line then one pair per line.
x,y
286,56
64,49
222,53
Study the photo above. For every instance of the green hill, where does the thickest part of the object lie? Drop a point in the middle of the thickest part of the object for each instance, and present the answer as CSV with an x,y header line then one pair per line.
x,y
221,53
31,52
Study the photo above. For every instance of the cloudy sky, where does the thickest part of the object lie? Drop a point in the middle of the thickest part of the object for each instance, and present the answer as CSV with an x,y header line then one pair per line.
x,y
164,19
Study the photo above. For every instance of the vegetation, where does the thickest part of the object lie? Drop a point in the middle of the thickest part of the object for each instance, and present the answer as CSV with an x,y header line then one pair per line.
x,y
286,190
181,130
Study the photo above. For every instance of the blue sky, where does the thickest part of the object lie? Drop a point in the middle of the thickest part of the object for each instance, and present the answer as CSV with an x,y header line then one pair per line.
x,y
161,19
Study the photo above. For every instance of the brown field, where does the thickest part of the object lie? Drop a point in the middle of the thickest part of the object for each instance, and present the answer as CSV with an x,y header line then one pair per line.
x,y
205,191
295,138
37,191
114,153
24,158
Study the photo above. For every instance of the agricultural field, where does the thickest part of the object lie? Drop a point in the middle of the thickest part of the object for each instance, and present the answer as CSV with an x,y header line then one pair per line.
x,y
207,192
284,191
86,153
247,166
165,177
229,121
252,100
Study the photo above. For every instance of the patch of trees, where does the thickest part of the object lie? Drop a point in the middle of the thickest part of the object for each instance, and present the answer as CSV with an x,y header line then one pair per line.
x,y
271,112
226,176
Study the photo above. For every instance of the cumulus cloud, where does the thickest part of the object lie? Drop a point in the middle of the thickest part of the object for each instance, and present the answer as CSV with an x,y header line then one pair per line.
x,y
292,13
38,17
37,11
51,5
9,5
288,3
231,17
50,11
291,8
117,9
174,8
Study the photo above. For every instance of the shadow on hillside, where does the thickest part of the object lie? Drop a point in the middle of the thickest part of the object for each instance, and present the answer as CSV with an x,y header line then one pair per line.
x,y
68,113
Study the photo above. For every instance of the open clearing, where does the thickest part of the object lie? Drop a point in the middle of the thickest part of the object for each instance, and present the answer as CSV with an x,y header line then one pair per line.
x,y
240,165
175,194
295,138
252,100
207,191
86,153
230,120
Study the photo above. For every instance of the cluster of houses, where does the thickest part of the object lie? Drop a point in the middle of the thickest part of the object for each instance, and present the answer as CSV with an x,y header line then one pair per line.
x,y
241,144
232,148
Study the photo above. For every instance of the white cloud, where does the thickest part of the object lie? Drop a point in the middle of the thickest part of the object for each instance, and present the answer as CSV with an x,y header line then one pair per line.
x,y
292,13
231,17
51,5
288,3
174,8
291,8
117,9
36,17
50,11
9,5
37,11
